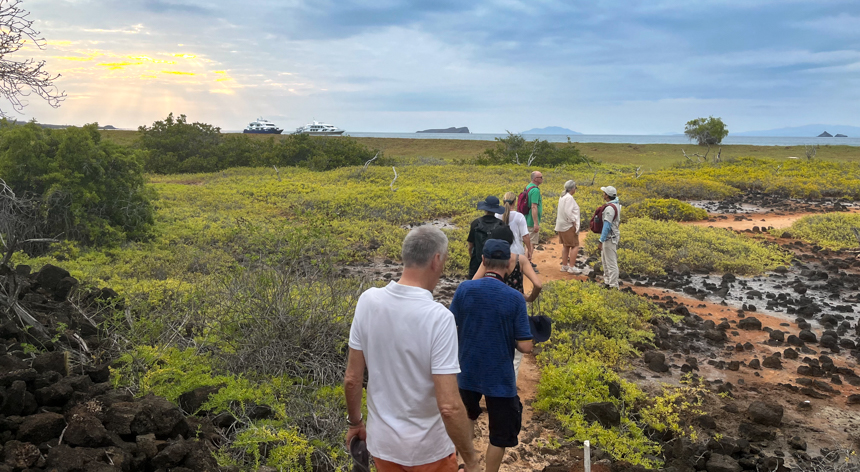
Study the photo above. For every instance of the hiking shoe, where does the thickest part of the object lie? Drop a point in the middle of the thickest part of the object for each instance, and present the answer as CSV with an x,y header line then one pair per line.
x,y
573,270
565,268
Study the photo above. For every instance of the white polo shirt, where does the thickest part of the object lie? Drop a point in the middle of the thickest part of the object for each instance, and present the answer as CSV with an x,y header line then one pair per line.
x,y
405,337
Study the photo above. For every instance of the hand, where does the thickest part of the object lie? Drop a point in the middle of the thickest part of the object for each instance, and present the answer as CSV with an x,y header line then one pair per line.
x,y
537,227
599,246
356,431
530,254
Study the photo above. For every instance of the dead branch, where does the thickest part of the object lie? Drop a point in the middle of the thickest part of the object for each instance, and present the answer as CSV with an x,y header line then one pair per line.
x,y
21,78
856,234
366,164
532,156
392,180
717,158
277,172
638,172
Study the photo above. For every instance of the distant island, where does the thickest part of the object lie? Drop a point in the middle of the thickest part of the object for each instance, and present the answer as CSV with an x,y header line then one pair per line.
x,y
550,130
806,131
825,135
446,130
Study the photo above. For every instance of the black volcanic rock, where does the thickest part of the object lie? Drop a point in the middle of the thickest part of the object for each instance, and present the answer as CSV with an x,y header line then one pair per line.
x,y
452,129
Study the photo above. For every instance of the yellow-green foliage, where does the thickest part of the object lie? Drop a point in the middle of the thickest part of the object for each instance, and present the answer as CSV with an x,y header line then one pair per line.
x,y
666,412
596,322
796,178
668,209
649,247
287,449
594,331
667,184
830,230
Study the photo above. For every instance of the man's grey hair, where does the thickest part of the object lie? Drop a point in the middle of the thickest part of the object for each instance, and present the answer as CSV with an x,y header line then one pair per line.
x,y
535,174
569,185
421,244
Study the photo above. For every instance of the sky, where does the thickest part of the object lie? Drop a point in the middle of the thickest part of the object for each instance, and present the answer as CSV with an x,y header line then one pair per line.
x,y
596,67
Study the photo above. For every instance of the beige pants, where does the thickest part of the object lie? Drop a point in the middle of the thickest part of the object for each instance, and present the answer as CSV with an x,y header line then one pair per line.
x,y
534,236
609,258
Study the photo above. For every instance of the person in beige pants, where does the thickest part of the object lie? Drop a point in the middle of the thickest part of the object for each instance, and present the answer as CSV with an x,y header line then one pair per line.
x,y
610,236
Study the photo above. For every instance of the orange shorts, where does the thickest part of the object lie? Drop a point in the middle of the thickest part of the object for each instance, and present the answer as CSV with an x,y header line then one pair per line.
x,y
447,464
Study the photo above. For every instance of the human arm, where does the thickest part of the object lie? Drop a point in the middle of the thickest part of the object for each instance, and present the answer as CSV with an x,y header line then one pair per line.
x,y
480,273
457,423
535,217
576,217
529,273
353,384
522,330
525,346
527,243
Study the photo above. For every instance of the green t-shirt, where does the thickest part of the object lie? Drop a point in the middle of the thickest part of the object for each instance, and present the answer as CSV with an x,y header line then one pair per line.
x,y
534,197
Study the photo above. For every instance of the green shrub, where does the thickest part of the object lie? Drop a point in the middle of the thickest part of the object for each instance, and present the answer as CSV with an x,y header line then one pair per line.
x,y
514,149
830,230
90,190
689,187
594,332
649,247
667,209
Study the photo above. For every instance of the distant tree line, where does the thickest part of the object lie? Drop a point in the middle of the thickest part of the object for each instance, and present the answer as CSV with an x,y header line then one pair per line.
x,y
514,149
175,146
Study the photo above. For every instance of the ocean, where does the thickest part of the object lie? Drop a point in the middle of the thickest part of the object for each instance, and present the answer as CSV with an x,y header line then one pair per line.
x,y
618,138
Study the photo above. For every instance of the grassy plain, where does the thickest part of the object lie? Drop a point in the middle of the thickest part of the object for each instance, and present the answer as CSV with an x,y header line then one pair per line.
x,y
649,156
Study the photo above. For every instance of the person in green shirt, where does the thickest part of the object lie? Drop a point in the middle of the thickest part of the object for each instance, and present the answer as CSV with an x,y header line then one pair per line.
x,y
536,204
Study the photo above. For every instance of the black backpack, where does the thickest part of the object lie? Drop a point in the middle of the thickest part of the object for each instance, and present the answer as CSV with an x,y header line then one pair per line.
x,y
483,229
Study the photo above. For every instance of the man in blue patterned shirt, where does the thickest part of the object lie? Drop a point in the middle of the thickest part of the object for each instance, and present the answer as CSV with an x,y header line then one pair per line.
x,y
492,322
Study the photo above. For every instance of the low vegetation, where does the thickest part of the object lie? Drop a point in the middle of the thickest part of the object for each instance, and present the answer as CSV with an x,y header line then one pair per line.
x,y
230,278
595,331
666,209
830,230
514,149
649,247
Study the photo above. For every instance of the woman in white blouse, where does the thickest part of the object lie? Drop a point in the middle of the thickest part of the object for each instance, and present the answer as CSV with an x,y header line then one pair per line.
x,y
567,227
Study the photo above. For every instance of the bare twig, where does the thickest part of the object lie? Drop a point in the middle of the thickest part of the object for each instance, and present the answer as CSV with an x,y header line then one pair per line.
x,y
532,156
277,172
366,164
21,78
638,172
392,180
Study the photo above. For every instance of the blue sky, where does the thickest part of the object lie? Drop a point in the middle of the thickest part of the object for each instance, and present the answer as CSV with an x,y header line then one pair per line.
x,y
607,67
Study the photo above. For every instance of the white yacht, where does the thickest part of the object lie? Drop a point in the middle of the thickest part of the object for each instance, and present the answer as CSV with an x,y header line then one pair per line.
x,y
319,129
262,126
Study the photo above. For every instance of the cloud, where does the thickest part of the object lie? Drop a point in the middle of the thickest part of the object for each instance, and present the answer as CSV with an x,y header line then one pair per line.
x,y
491,65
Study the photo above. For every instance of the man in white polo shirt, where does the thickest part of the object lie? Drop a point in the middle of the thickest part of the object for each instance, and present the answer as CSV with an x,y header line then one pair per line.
x,y
408,344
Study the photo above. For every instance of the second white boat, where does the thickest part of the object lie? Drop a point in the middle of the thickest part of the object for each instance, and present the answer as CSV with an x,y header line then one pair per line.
x,y
319,129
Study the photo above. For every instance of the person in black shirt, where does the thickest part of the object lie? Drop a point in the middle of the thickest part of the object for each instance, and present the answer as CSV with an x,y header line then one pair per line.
x,y
480,229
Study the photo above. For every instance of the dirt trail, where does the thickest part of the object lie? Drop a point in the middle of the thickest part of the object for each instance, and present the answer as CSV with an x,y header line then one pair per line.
x,y
829,422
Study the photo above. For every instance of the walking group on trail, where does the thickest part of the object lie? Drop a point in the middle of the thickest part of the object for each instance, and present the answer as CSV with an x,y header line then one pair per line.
x,y
428,367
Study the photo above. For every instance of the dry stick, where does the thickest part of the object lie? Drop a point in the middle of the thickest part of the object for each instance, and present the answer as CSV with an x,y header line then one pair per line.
x,y
395,178
856,234
278,173
371,160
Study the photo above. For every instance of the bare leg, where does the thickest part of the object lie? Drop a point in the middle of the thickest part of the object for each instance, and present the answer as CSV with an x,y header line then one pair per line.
x,y
564,254
494,458
574,253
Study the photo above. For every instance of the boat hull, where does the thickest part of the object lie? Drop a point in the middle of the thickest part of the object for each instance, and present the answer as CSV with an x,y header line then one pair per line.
x,y
264,131
326,133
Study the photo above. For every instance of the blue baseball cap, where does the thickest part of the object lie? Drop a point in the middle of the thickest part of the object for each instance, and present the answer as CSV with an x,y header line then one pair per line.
x,y
497,249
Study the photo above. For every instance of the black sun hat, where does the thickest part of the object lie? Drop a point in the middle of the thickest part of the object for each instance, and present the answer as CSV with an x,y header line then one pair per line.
x,y
541,327
491,203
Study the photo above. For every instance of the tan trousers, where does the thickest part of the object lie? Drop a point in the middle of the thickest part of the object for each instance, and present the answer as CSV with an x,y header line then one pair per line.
x,y
609,258
534,236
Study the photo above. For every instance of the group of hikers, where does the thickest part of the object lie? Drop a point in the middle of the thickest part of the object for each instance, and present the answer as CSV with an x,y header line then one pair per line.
x,y
428,366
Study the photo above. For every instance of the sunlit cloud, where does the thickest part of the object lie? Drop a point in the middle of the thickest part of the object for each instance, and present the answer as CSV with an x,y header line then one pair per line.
x,y
185,56
73,58
176,72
